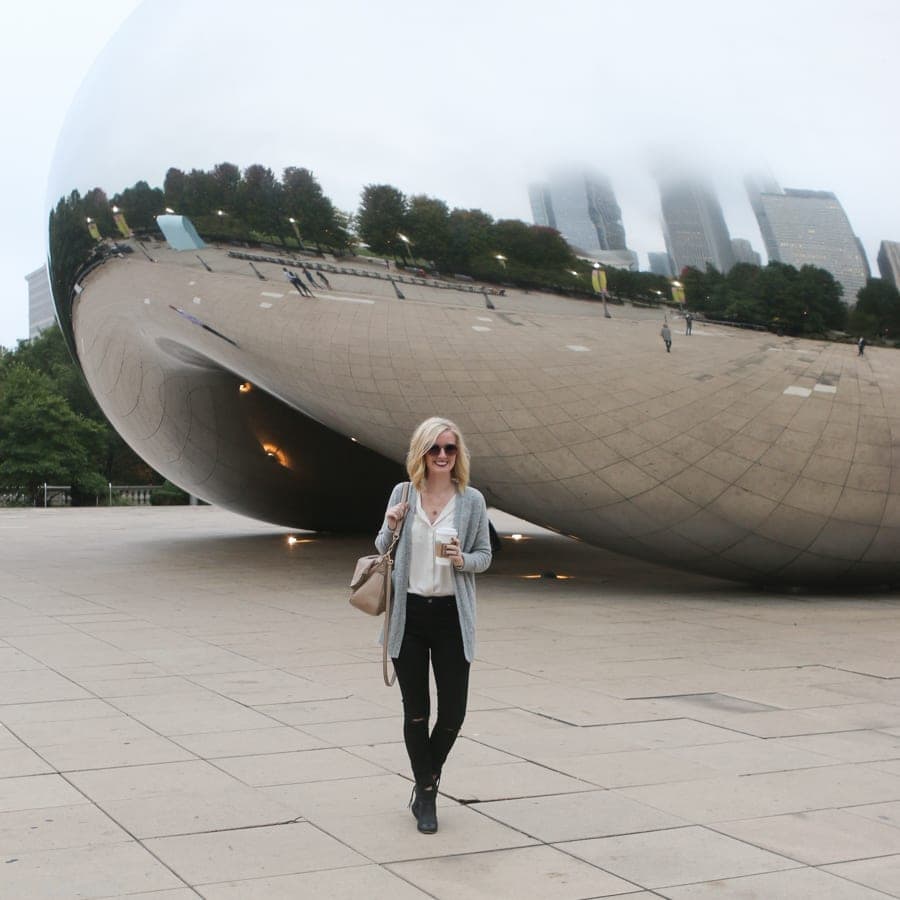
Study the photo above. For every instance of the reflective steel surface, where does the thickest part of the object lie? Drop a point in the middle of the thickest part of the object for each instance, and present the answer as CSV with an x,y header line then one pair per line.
x,y
738,454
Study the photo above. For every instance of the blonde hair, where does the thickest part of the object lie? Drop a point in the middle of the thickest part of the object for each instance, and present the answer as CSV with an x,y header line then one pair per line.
x,y
422,439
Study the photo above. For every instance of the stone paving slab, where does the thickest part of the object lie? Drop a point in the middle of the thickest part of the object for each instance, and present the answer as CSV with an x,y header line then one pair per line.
x,y
189,707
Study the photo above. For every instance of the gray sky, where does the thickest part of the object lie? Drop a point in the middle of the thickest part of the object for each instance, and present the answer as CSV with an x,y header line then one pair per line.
x,y
468,102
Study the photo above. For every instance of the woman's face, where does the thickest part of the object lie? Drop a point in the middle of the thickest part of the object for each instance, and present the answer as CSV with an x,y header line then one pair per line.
x,y
439,458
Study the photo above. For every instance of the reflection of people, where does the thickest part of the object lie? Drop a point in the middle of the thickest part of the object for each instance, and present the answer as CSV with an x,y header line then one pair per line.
x,y
433,618
666,335
297,282
861,344
308,275
323,279
688,323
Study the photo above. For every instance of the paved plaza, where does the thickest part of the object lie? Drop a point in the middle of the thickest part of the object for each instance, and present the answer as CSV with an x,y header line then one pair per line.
x,y
189,707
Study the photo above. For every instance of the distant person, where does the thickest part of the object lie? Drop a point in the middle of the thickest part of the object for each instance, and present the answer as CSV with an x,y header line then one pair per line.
x,y
324,280
297,282
688,323
309,277
861,344
666,335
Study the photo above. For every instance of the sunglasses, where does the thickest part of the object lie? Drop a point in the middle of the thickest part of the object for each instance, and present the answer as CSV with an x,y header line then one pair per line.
x,y
435,449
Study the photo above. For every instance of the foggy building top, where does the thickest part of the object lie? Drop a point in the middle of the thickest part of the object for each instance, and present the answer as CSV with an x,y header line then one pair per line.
x,y
582,207
693,225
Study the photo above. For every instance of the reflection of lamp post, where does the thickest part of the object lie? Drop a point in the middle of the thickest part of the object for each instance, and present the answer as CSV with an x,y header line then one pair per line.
x,y
293,222
598,279
406,243
501,259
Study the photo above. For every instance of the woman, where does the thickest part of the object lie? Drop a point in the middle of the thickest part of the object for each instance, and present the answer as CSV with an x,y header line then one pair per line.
x,y
433,618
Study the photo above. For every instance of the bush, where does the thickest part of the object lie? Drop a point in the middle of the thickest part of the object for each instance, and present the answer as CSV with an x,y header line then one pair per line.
x,y
168,494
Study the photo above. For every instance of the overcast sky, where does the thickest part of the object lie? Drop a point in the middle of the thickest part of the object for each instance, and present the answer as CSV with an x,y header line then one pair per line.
x,y
468,102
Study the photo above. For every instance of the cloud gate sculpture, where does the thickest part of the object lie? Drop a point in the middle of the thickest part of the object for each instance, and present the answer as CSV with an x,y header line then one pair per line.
x,y
739,454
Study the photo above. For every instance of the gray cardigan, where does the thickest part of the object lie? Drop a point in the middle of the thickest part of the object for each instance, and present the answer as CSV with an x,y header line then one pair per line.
x,y
471,523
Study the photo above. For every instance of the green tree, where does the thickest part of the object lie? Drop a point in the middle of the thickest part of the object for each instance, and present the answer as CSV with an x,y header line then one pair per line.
x,y
48,356
41,438
427,221
469,237
141,204
877,311
317,219
381,216
259,202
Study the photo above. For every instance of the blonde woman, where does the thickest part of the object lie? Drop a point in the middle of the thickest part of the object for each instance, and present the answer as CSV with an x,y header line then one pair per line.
x,y
433,620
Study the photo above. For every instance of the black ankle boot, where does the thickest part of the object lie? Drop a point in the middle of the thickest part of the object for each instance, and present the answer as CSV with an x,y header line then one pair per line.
x,y
414,802
426,803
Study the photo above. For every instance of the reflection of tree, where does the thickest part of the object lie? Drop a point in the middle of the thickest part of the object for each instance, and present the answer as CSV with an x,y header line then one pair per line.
x,y
142,204
317,219
381,217
797,301
877,312
71,247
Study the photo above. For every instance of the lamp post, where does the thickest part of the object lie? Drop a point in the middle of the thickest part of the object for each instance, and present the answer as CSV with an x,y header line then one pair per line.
x,y
407,244
598,280
501,259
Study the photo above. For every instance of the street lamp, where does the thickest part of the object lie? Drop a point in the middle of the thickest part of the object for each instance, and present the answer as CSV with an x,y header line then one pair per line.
x,y
501,258
598,280
407,242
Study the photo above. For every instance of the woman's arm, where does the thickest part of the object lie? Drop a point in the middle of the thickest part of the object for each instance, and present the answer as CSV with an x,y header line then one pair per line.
x,y
386,534
478,557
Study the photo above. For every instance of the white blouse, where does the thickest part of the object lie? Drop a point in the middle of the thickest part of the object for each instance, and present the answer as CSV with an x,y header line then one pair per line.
x,y
426,577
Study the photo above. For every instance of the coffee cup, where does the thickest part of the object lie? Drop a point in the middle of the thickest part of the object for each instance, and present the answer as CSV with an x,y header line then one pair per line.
x,y
442,537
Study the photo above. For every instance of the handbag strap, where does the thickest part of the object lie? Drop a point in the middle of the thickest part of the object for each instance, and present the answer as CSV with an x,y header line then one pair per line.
x,y
389,605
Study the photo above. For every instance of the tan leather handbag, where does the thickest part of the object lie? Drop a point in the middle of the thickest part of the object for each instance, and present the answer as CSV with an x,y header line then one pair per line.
x,y
371,588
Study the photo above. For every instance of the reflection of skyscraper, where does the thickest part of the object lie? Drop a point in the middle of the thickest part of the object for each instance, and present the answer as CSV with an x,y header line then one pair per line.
x,y
811,228
744,252
660,264
693,225
889,262
583,209
40,302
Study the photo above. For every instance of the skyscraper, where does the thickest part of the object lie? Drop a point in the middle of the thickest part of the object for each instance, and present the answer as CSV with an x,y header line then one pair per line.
x,y
889,262
744,252
582,207
40,302
802,228
693,225
660,264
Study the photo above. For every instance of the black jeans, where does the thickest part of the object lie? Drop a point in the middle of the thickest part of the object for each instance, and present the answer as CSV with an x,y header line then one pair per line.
x,y
431,634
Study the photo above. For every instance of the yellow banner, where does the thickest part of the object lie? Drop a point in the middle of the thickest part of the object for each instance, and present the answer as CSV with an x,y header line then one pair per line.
x,y
121,224
598,281
94,231
678,293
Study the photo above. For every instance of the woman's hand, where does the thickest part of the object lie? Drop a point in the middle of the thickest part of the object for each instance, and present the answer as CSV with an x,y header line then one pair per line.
x,y
395,513
453,552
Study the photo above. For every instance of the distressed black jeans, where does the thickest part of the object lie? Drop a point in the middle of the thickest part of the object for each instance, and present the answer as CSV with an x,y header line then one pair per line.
x,y
431,636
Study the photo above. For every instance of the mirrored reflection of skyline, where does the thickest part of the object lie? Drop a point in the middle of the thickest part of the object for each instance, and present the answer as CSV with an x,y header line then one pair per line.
x,y
360,97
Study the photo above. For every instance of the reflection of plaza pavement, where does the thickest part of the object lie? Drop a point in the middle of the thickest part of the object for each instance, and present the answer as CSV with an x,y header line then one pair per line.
x,y
190,703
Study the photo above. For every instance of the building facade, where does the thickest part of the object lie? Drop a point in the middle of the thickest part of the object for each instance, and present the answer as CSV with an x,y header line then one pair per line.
x,y
889,262
693,225
661,264
744,253
582,207
801,228
41,313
